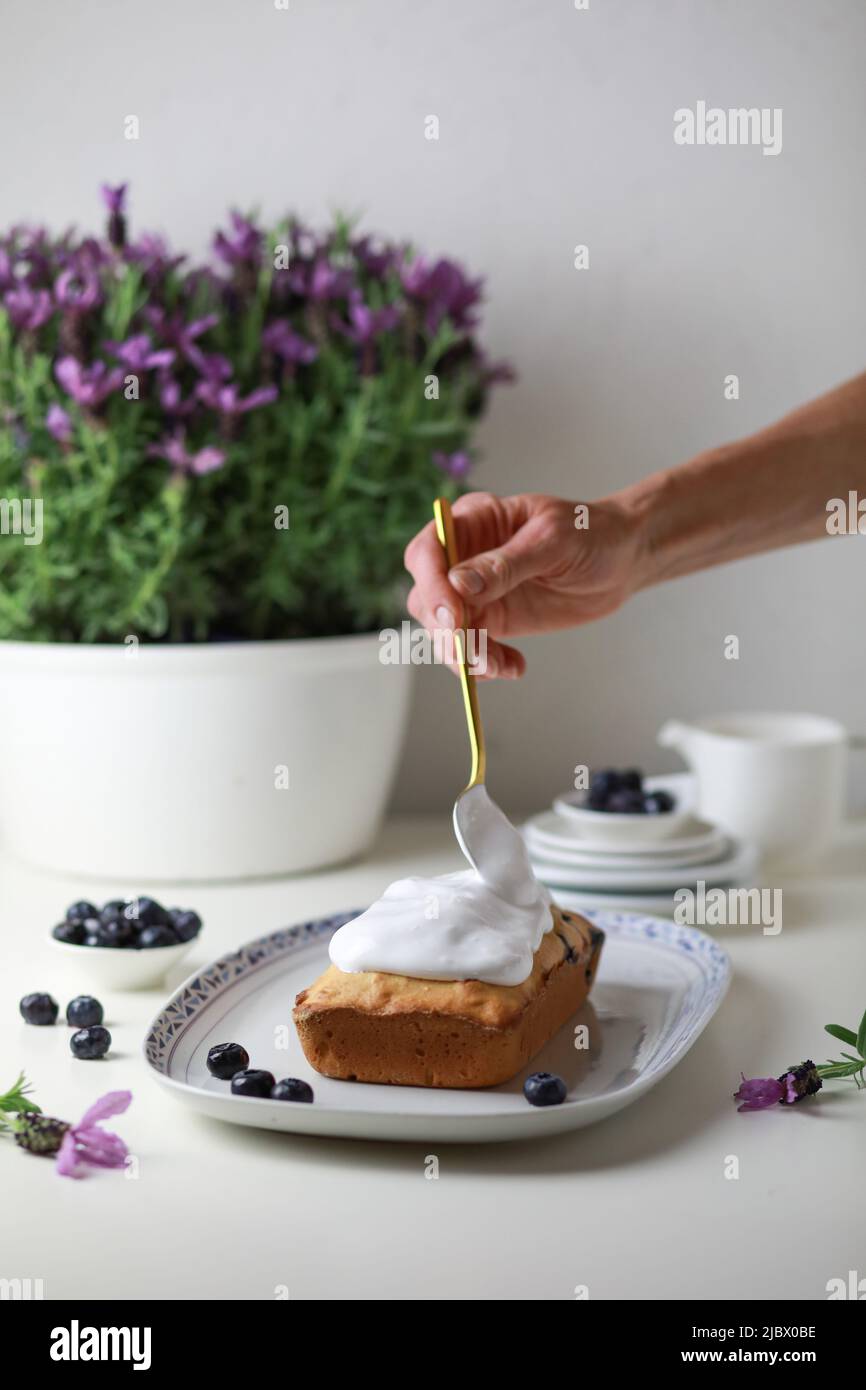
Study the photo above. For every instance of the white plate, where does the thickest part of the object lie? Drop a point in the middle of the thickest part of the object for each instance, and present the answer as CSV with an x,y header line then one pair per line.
x,y
555,832
740,863
589,859
658,986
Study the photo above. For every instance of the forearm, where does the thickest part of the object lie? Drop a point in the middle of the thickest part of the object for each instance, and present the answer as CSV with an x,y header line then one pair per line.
x,y
766,491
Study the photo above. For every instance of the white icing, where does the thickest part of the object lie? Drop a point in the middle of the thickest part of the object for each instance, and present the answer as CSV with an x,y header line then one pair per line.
x,y
450,928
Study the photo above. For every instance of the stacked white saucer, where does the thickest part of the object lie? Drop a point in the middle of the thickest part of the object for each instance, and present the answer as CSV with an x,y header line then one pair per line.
x,y
599,859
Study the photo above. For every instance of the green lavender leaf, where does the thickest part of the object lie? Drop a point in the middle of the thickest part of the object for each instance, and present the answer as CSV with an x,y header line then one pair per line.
x,y
843,1034
861,1037
834,1068
16,1101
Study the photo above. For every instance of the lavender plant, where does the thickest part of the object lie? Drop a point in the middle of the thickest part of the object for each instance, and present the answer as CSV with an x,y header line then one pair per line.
x,y
239,449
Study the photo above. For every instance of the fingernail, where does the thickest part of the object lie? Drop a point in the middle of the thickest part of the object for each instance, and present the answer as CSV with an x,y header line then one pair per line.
x,y
445,618
468,579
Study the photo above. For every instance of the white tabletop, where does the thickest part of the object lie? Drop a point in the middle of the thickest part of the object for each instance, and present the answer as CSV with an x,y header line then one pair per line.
x,y
636,1207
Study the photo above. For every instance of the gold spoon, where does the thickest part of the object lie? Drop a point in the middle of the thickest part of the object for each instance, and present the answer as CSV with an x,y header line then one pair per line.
x,y
485,834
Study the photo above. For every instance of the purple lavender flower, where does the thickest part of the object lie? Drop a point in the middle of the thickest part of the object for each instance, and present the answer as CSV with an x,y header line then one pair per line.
x,y
228,401
137,354
174,450
327,281
799,1082
178,333
113,197
89,386
58,423
213,366
171,397
281,338
366,324
376,259
88,1143
242,245
152,254
455,465
77,290
759,1093
796,1083
28,309
444,290
114,200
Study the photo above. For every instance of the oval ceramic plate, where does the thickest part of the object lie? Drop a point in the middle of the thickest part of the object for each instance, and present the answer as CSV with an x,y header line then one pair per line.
x,y
658,986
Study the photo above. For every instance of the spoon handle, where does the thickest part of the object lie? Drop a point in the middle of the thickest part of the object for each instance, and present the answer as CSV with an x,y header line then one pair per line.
x,y
448,540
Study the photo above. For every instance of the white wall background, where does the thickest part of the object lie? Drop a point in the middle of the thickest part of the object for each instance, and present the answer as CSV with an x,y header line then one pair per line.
x,y
556,128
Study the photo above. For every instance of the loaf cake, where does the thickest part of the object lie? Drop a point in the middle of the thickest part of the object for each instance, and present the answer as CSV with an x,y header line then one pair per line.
x,y
387,1028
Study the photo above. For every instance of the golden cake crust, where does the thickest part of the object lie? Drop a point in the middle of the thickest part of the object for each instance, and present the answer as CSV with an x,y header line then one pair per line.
x,y
378,1027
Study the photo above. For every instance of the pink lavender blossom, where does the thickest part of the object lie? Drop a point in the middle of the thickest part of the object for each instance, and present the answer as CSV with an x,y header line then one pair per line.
x,y
137,354
456,465
794,1085
241,245
28,309
281,338
174,450
87,1143
78,290
365,323
443,290
228,400
89,386
759,1093
58,423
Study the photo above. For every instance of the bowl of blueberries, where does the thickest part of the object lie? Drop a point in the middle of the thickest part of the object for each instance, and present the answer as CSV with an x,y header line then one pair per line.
x,y
128,943
623,808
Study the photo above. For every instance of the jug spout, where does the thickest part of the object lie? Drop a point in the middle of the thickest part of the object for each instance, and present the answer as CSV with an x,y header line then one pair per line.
x,y
675,734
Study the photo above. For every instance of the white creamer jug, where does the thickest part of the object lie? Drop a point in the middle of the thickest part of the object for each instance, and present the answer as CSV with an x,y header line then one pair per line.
x,y
775,779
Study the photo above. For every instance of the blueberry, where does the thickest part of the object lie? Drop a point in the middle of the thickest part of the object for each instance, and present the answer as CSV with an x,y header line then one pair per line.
x,y
658,803
292,1089
631,780
543,1088
83,1011
185,922
226,1060
147,912
40,1009
71,932
90,1043
252,1083
118,933
111,911
603,783
626,803
77,912
155,936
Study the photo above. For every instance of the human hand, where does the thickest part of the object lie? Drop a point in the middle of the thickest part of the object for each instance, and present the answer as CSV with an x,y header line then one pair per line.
x,y
525,567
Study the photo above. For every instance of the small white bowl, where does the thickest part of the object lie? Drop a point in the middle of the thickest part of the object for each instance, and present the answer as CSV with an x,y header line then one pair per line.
x,y
122,967
620,829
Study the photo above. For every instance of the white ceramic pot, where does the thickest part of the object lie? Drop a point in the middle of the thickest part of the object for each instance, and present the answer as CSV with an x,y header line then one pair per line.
x,y
197,762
